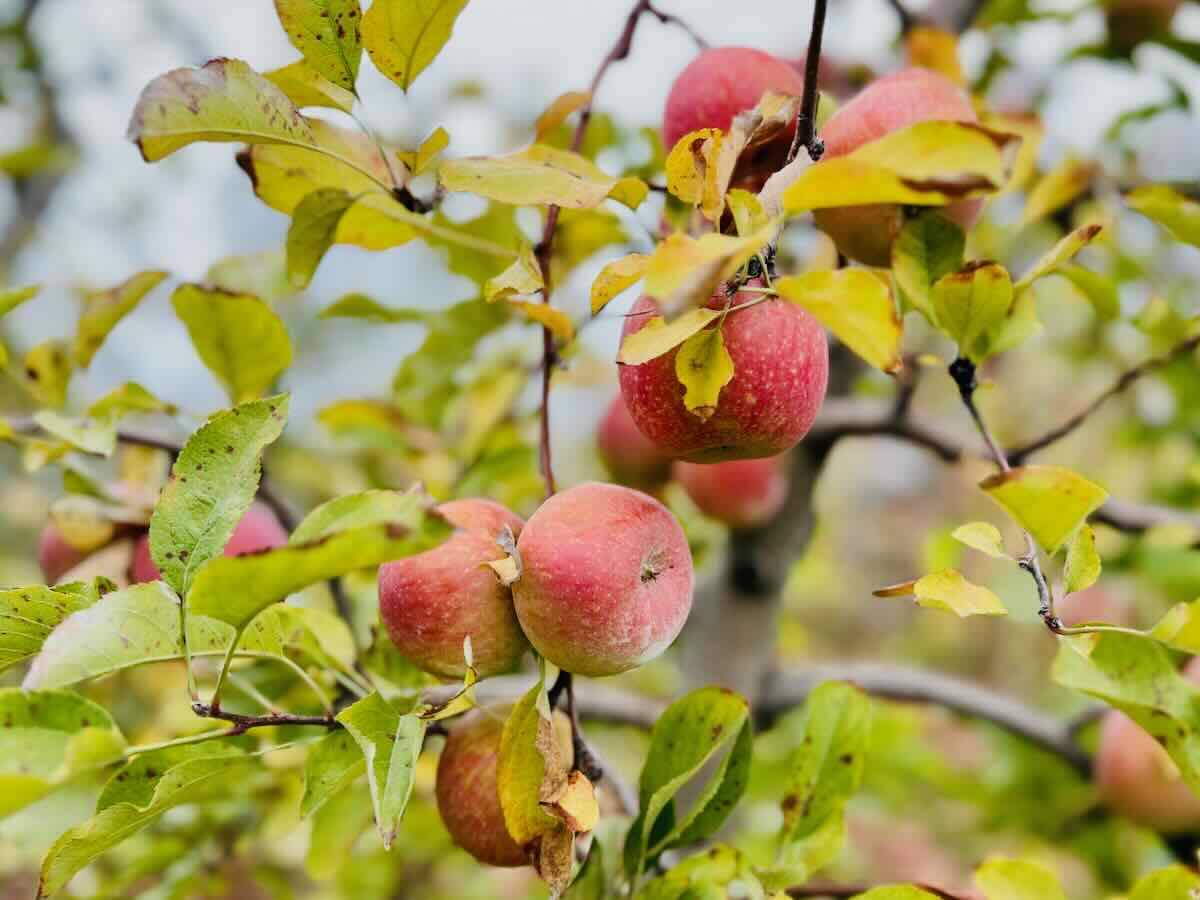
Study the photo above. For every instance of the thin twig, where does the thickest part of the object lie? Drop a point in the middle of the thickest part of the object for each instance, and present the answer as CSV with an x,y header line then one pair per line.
x,y
970,12
668,19
243,723
907,20
1018,455
806,121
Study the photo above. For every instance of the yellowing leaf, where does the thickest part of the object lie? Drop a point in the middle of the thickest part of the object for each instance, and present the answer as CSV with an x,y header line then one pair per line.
x,y
540,175
47,372
982,536
1060,253
1017,879
969,303
747,211
522,278
528,752
1099,290
949,590
1049,502
404,36
1031,132
305,86
11,298
703,366
1169,208
1058,187
856,306
326,33
418,161
935,49
102,310
314,226
658,336
557,112
1083,562
691,166
615,277
575,804
556,320
685,271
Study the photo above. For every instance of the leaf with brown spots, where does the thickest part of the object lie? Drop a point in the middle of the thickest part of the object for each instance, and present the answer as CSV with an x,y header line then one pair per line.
x,y
326,32
403,37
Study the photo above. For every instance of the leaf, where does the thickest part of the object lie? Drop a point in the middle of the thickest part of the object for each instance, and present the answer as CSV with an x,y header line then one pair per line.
x,y
262,274
1173,881
574,804
615,277
1016,879
390,745
1060,253
1057,188
102,310
213,482
1098,290
591,882
336,828
929,247
556,113
1180,627
1083,562
48,738
99,438
703,366
326,33
403,37
352,532
691,167
856,306
417,162
126,400
540,175
557,321
896,892
11,298
747,210
1170,209
28,615
927,164
166,779
47,370
1049,502
522,278
225,100
718,873
314,226
982,536
684,271
237,336
522,767
687,738
949,590
657,337
936,50
969,303
360,306
305,86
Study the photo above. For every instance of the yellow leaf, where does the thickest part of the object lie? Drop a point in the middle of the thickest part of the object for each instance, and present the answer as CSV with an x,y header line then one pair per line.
x,y
522,278
403,37
575,803
47,370
615,277
1171,209
556,320
1060,253
1083,562
103,310
1049,502
1058,187
684,271
418,161
935,49
557,112
691,165
747,211
304,86
703,366
967,304
949,590
657,337
326,32
982,536
1030,130
540,175
856,306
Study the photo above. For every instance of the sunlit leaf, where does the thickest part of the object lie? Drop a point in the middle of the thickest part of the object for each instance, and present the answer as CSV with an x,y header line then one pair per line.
x,y
419,160
557,321
949,590
11,298
703,366
1017,879
102,310
747,210
556,113
360,306
1170,209
658,336
522,278
403,37
313,230
982,536
47,372
928,248
1060,253
304,86
99,437
717,873
28,615
1083,562
615,277
1049,502
970,303
684,271
1057,188
856,306
326,33
1174,881
262,274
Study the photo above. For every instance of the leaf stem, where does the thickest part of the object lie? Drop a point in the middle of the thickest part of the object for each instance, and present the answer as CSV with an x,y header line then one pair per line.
x,y
806,121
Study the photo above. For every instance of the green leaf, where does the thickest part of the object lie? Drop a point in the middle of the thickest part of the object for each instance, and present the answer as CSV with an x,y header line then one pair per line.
x,y
971,302
226,100
305,87
928,248
1049,502
1083,562
336,828
949,590
1097,289
590,884
982,536
102,310
1059,254
1180,627
237,336
360,306
165,779
326,33
658,336
98,437
28,615
896,892
717,873
48,738
262,274
540,175
1169,208
128,399
1057,188
404,36
825,771
314,225
703,366
856,306
615,277
1015,879
333,763
687,738
390,744
213,482
522,766
1175,881
11,298
47,370
747,211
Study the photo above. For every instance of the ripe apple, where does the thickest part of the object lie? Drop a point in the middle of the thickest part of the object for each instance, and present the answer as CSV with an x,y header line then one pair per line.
x,y
55,555
742,493
631,457
781,366
1137,778
431,602
607,579
866,233
258,530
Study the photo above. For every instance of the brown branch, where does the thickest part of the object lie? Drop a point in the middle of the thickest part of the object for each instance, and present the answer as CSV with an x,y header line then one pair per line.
x,y
1018,455
243,723
667,18
907,20
806,121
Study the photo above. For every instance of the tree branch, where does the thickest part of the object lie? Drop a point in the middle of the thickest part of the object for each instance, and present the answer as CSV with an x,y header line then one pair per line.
x,y
806,121
907,20
243,723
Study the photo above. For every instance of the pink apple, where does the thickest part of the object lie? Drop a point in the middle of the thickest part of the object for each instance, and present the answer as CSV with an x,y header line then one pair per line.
x,y
743,493
258,530
631,457
55,555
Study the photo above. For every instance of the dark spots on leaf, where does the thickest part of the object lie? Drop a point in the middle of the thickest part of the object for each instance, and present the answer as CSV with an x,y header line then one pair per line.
x,y
790,801
846,759
228,448
31,373
152,773
717,730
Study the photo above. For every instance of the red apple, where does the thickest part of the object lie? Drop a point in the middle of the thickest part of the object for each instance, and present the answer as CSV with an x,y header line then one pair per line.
x,y
743,493
631,457
433,601
1095,604
607,579
866,233
55,555
258,530
781,366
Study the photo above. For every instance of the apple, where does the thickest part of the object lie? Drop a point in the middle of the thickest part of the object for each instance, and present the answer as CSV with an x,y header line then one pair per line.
x,y
631,457
257,530
742,493
431,602
55,555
